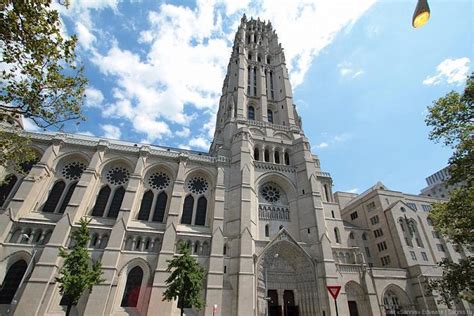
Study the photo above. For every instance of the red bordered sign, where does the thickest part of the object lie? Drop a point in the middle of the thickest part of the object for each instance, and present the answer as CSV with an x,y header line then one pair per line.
x,y
334,290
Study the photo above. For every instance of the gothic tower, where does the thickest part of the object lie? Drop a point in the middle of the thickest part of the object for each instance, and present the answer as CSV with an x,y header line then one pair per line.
x,y
275,189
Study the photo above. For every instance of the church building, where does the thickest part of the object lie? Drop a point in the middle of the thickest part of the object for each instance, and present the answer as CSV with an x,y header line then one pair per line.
x,y
257,212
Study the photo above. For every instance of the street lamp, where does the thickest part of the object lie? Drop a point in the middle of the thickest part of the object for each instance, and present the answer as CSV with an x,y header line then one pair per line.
x,y
14,303
421,14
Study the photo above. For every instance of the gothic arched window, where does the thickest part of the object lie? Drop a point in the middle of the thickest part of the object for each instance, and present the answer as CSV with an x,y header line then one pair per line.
x,y
145,206
54,197
116,202
277,157
287,159
62,190
251,113
267,155
7,187
270,116
187,216
160,207
201,211
267,231
12,281
256,154
101,201
337,236
131,292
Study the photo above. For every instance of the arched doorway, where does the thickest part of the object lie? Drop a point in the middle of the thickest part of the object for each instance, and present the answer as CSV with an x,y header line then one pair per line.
x,y
12,281
357,300
396,301
286,284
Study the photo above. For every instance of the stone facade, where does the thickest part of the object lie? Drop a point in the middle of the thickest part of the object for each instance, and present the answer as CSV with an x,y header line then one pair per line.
x,y
257,211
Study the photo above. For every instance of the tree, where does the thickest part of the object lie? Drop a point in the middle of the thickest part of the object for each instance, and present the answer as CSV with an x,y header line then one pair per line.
x,y
185,281
78,274
452,120
40,77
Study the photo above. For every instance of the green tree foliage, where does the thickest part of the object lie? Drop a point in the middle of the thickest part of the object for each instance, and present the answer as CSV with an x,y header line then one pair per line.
x,y
78,273
185,281
40,77
452,121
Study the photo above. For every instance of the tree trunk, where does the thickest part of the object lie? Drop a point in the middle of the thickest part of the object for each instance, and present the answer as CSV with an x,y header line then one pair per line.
x,y
68,310
182,310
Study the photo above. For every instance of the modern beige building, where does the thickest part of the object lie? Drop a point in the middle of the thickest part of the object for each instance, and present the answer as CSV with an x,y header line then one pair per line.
x,y
257,211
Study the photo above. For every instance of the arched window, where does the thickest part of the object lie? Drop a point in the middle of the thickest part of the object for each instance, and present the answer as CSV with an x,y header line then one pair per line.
x,y
256,154
351,235
160,207
267,231
101,201
337,236
326,192
249,56
12,281
132,288
187,215
251,113
267,155
225,250
54,197
7,187
67,197
287,159
364,236
116,202
145,206
277,157
332,214
270,116
268,59
201,211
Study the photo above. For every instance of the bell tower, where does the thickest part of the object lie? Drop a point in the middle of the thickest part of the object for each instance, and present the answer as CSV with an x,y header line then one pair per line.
x,y
275,189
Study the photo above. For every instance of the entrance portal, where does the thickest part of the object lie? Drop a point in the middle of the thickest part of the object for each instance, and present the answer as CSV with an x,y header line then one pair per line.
x,y
286,275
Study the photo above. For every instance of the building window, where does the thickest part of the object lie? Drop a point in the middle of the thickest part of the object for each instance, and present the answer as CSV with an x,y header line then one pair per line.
x,y
267,155
337,236
277,157
326,192
412,206
367,252
385,260
332,214
101,201
351,235
424,256
12,281
413,255
435,234
145,206
267,231
440,247
371,206
54,196
160,207
364,236
418,242
378,233
256,154
188,205
116,202
111,195
251,113
374,220
132,288
201,211
270,116
287,158
426,207
381,246
354,215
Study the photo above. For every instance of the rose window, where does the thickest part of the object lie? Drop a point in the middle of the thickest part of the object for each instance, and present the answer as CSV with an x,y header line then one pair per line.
x,y
73,170
271,193
118,175
159,181
197,185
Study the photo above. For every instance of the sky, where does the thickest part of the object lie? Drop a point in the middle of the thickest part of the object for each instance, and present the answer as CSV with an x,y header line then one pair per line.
x,y
362,77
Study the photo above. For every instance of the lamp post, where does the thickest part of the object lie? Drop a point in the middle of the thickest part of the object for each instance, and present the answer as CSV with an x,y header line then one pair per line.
x,y
421,14
29,267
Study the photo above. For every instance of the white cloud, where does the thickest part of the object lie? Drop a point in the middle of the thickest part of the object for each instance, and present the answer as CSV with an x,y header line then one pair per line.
x,y
199,142
183,146
111,131
187,50
347,70
334,140
85,37
87,133
322,145
94,97
354,190
451,71
185,132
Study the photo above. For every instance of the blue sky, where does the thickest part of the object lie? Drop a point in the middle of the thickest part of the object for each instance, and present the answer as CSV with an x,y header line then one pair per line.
x,y
362,76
